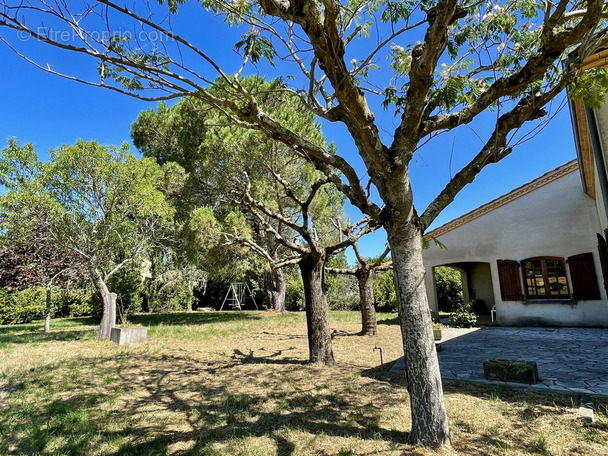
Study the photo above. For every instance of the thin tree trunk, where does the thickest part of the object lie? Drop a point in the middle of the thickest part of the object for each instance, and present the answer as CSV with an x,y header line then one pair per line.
x,y
365,278
47,311
429,419
320,350
190,299
108,318
279,294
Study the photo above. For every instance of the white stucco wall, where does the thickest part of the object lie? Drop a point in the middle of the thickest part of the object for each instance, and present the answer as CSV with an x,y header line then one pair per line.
x,y
557,219
601,123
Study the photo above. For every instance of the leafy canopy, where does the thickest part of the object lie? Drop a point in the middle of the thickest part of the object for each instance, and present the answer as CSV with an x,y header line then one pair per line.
x,y
100,203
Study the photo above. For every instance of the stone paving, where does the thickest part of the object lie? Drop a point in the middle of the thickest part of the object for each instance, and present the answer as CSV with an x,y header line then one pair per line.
x,y
568,359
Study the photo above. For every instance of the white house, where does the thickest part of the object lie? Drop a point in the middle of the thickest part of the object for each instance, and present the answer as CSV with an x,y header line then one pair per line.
x,y
538,254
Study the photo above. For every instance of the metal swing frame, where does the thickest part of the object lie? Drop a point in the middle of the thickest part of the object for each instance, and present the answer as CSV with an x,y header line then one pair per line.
x,y
236,295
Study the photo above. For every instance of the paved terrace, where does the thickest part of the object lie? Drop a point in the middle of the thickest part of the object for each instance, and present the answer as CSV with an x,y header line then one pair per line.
x,y
573,360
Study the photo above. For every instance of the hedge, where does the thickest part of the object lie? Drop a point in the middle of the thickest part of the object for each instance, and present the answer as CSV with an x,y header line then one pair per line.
x,y
29,305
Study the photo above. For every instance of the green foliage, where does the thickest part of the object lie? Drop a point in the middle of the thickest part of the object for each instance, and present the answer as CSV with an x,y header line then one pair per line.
x,y
127,283
256,47
169,282
28,305
591,87
294,290
222,160
384,292
100,203
342,292
449,288
463,316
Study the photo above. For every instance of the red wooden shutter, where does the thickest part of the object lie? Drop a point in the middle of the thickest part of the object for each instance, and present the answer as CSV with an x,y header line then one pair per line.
x,y
584,278
508,275
603,251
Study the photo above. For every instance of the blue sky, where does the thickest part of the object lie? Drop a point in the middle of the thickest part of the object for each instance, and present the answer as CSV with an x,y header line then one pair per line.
x,y
49,111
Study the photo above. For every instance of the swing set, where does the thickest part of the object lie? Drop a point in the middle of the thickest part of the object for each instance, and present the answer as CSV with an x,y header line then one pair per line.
x,y
236,296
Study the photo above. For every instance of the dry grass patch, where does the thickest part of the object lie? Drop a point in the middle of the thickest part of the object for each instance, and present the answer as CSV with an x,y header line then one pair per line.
x,y
238,384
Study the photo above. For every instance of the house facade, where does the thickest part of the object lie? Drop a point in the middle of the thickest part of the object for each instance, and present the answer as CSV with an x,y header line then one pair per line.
x,y
538,255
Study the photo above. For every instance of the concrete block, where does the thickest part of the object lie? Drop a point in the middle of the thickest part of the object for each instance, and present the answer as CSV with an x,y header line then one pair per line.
x,y
129,336
585,410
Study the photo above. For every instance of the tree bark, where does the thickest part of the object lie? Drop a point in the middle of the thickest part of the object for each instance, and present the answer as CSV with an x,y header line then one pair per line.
x,y
190,298
429,419
312,267
47,311
108,318
365,278
275,289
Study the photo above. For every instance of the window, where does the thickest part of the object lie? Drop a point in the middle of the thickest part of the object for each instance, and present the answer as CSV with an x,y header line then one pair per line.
x,y
545,278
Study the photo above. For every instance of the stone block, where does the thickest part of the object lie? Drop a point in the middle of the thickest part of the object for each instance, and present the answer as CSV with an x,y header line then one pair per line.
x,y
129,336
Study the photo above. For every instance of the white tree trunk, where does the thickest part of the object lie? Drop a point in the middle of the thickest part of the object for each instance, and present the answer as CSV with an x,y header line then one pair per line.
x,y
429,419
47,312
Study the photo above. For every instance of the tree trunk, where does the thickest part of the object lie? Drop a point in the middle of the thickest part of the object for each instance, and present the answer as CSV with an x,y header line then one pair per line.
x,y
190,299
275,289
365,278
108,318
47,311
320,350
429,419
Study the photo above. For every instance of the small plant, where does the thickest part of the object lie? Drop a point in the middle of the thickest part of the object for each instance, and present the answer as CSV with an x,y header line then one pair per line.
x,y
462,315
510,371
542,446
494,397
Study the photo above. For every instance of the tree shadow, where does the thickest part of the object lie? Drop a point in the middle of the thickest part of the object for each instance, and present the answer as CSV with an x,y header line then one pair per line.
x,y
59,323
389,321
128,410
272,358
193,318
56,335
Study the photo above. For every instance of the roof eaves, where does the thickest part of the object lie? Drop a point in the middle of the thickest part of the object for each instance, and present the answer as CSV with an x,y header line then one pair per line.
x,y
505,199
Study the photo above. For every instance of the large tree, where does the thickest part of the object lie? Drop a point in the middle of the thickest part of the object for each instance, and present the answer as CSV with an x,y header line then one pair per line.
x,y
101,204
450,61
216,154
314,242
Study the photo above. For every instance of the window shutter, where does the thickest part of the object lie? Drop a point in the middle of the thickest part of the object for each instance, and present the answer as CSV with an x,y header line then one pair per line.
x,y
603,251
584,278
508,275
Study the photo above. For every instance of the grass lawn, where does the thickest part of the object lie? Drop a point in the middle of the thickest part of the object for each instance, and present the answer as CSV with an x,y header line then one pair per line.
x,y
237,383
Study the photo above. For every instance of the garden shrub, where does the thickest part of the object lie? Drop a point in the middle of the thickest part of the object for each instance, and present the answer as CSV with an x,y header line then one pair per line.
x,y
294,290
463,316
25,306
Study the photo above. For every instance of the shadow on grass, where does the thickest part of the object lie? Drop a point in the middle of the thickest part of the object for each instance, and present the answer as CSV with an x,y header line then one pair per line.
x,y
26,337
58,323
154,404
271,358
85,328
389,321
193,318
